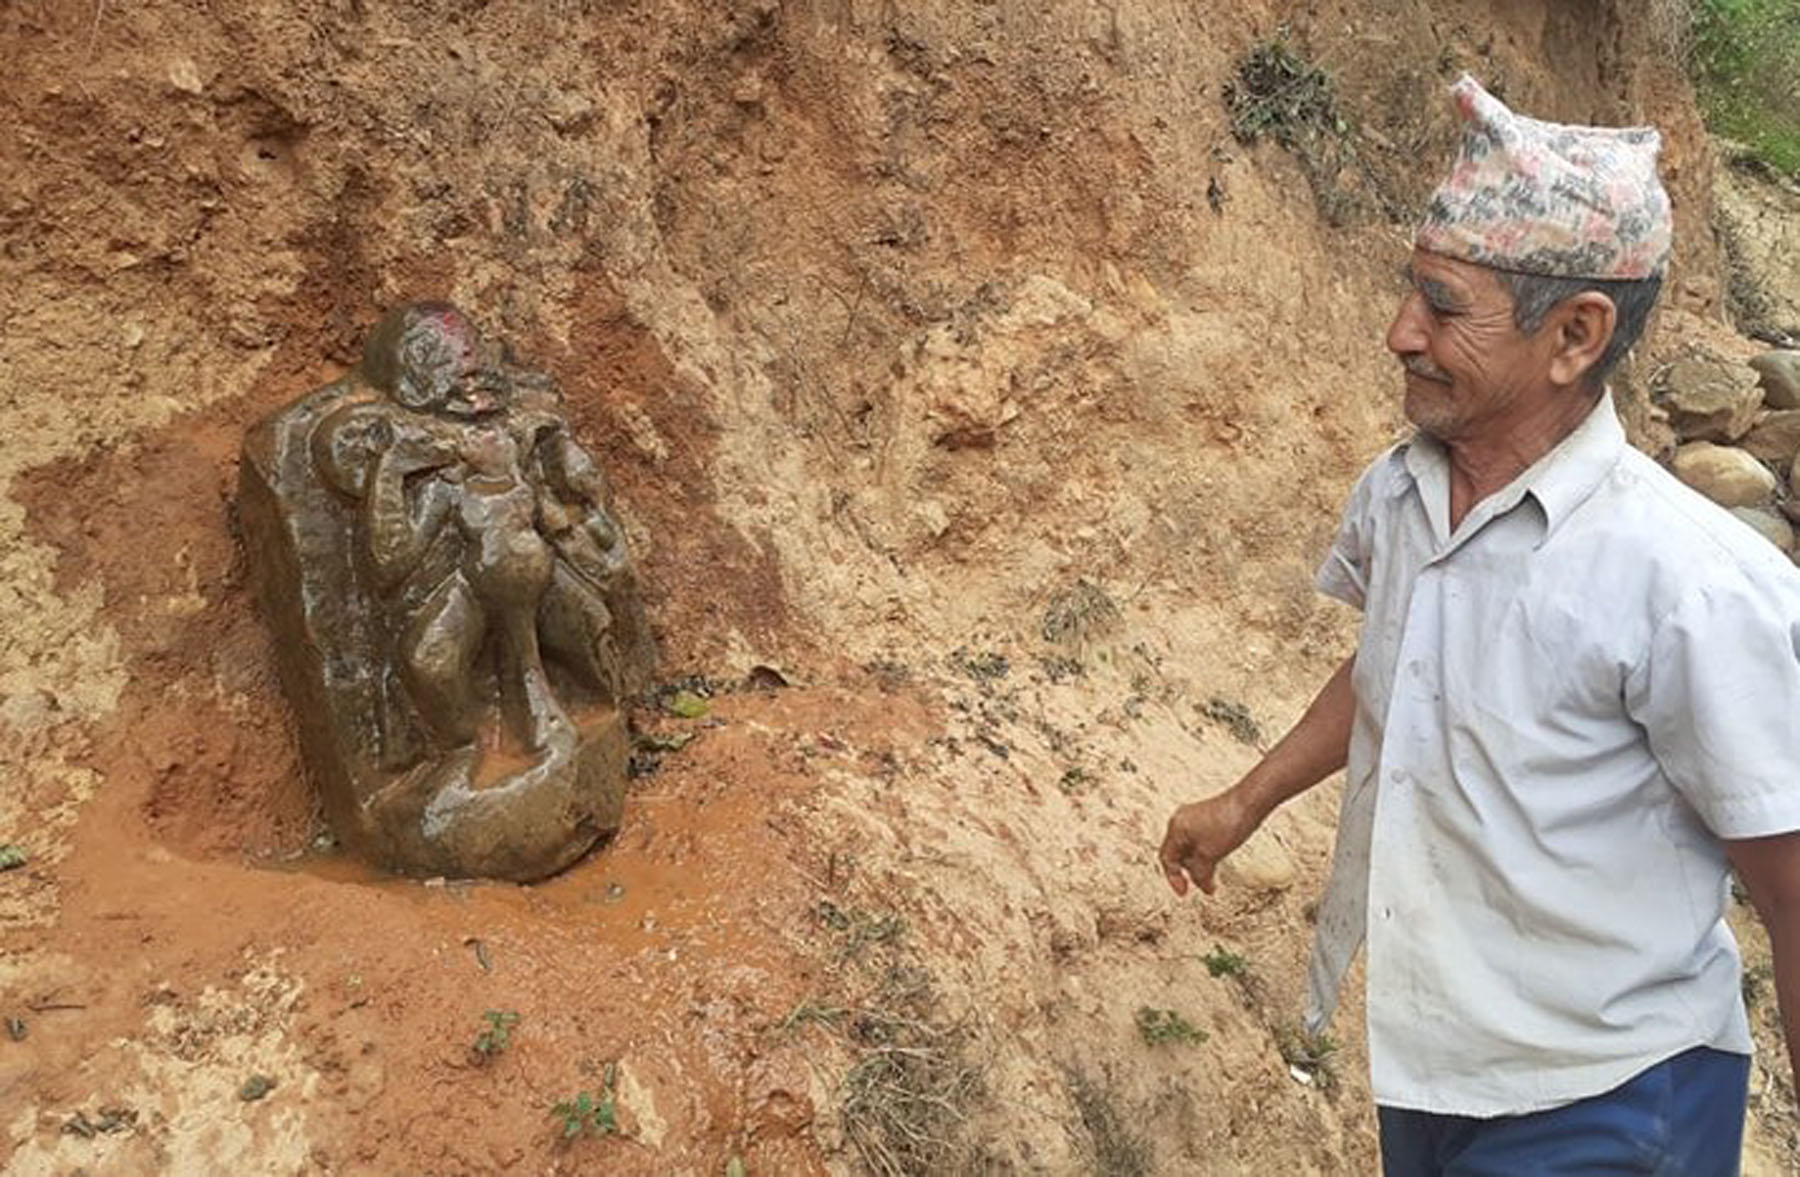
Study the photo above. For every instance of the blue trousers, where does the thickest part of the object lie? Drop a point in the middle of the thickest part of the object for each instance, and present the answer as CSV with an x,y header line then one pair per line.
x,y
1683,1117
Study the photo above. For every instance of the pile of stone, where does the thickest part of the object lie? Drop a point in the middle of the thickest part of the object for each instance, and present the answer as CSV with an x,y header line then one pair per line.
x,y
1739,431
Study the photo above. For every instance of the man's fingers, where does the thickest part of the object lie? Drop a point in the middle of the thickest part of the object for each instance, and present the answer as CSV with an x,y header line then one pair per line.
x,y
1199,835
1182,862
1170,857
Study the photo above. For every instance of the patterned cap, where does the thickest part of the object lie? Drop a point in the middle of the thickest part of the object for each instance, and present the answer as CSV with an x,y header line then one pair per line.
x,y
1545,198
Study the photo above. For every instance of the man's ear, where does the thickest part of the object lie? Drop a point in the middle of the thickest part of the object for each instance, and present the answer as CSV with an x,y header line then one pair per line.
x,y
1580,328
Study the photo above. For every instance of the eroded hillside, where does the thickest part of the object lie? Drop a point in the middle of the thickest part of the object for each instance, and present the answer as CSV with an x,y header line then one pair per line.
x,y
960,364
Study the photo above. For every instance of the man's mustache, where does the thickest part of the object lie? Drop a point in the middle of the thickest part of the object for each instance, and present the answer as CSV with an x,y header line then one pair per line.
x,y
1421,367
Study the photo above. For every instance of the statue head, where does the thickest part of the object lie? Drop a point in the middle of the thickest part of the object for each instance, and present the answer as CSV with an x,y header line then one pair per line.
x,y
428,356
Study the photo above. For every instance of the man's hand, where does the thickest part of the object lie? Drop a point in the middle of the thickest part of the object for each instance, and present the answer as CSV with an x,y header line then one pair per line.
x,y
1203,833
1200,835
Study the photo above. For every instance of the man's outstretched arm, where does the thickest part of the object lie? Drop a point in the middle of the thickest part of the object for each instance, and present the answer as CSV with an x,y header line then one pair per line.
x,y
1204,832
1770,870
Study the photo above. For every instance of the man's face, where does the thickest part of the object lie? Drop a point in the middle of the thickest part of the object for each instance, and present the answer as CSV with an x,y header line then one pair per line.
x,y
1469,370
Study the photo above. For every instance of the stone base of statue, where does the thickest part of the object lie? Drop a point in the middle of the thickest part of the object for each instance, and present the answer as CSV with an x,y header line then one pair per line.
x,y
455,623
496,815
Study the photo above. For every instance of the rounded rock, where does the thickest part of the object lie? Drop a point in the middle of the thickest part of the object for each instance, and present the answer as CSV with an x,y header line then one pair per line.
x,y
1261,864
1728,476
1780,373
1775,437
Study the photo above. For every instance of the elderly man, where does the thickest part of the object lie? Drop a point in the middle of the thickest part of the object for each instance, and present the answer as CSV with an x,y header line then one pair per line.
x,y
1574,706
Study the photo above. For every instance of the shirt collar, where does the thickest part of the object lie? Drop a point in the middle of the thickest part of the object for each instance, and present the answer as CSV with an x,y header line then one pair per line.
x,y
1562,479
1558,482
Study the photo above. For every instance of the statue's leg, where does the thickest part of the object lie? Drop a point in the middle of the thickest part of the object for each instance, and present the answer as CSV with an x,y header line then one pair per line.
x,y
576,629
437,661
531,707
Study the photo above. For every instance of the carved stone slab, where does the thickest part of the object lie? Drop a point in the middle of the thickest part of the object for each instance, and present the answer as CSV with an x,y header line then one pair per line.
x,y
457,624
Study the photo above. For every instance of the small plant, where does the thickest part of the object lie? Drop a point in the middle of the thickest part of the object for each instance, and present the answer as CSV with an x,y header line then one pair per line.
x,y
1160,1027
1236,718
1117,1146
686,705
808,1012
1280,95
859,928
663,742
1079,612
583,1112
1744,54
905,1099
687,697
1075,779
12,857
1755,982
109,1119
649,749
1221,962
497,1036
983,666
1308,1055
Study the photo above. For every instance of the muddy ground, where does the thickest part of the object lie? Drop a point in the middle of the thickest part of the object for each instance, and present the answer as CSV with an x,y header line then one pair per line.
x,y
961,364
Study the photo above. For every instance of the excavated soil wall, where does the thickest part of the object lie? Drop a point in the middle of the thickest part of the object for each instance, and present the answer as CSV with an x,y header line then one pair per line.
x,y
955,360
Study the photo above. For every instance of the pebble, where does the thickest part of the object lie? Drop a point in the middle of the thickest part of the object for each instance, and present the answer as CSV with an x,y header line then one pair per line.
x,y
184,75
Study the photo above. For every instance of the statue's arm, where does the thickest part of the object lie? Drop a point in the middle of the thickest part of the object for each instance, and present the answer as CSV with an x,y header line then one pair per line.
x,y
399,531
579,502
572,473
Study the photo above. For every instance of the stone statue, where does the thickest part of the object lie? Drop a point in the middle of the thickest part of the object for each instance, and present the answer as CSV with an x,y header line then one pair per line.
x,y
456,617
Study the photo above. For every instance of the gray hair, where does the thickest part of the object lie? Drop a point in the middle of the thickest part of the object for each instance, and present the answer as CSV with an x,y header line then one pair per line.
x,y
1536,295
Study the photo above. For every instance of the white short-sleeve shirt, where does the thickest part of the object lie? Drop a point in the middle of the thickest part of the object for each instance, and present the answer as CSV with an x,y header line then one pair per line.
x,y
1562,707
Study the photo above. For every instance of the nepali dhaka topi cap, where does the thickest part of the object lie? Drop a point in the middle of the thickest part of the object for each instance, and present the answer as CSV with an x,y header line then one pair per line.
x,y
1548,198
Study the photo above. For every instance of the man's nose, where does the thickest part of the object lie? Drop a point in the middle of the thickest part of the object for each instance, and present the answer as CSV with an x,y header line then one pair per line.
x,y
1406,335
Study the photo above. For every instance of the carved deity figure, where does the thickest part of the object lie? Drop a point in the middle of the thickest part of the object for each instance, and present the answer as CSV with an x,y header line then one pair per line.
x,y
459,616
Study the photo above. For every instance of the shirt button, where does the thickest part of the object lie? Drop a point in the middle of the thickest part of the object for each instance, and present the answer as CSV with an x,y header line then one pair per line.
x,y
1397,776
1417,668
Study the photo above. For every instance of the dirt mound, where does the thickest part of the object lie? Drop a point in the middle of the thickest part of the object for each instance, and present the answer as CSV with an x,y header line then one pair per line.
x,y
962,363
